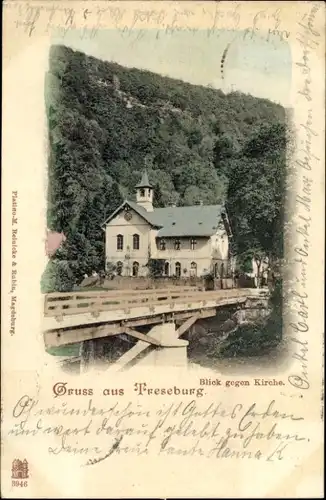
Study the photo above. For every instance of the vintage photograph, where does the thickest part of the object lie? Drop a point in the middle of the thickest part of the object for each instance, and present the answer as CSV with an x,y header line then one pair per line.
x,y
166,196
162,303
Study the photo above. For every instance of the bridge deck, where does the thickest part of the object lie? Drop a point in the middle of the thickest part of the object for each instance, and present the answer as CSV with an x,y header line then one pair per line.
x,y
75,309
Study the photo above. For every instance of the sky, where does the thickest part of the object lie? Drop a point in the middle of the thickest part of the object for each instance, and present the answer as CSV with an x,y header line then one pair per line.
x,y
254,66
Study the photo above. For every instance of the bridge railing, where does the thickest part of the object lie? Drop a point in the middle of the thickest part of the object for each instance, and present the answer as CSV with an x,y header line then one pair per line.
x,y
58,304
115,293
64,303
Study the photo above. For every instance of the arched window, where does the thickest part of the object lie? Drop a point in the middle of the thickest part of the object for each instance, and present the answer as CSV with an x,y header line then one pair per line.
x,y
119,268
178,269
216,274
193,269
222,270
120,242
142,193
135,269
135,241
224,246
167,269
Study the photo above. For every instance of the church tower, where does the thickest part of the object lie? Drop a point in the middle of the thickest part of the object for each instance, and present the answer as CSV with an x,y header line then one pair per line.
x,y
144,193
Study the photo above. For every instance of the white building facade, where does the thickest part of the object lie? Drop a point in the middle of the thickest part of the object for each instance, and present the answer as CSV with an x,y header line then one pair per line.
x,y
192,241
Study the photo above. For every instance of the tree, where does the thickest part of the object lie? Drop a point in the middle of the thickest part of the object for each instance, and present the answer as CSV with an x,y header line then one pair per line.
x,y
98,147
224,150
112,198
256,195
158,197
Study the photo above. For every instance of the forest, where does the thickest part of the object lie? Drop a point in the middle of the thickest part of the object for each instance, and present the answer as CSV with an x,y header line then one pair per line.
x,y
107,122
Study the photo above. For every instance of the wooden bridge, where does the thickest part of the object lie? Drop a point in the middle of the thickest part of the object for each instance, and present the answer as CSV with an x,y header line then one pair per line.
x,y
87,316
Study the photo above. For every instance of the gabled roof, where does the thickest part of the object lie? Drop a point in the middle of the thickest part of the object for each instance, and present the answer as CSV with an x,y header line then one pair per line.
x,y
144,181
141,211
198,220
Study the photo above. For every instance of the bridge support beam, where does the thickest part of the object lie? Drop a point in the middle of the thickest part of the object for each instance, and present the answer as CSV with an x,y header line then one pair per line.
x,y
187,324
171,352
87,353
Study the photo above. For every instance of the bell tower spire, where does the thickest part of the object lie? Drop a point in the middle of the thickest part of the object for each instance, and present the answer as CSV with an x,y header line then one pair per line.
x,y
144,193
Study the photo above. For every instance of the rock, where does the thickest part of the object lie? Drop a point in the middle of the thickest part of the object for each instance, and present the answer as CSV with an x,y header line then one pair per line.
x,y
90,281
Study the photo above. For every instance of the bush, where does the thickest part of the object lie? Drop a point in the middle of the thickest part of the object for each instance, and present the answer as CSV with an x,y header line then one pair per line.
x,y
260,338
57,277
156,267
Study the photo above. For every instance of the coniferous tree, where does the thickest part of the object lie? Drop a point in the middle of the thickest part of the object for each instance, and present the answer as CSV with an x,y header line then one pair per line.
x,y
202,142
158,197
113,198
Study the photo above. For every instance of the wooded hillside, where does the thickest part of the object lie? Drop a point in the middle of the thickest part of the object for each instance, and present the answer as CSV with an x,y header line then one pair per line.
x,y
107,122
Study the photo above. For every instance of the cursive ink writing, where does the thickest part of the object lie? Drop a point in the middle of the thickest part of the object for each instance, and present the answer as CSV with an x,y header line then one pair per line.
x,y
269,412
112,449
184,428
308,38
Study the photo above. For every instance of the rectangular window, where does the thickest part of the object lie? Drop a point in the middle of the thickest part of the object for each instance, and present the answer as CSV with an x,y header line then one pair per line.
x,y
162,245
177,245
120,242
135,241
193,243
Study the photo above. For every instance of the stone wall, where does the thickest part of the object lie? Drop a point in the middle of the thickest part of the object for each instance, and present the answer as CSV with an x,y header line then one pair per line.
x,y
143,283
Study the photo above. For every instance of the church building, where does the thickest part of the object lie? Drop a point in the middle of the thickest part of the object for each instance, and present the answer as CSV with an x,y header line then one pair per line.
x,y
191,240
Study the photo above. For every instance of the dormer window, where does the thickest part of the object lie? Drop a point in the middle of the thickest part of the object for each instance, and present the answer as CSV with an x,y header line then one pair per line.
x,y
162,245
177,245
193,244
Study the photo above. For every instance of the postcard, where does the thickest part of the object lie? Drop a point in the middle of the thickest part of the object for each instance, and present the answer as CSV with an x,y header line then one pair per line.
x,y
163,249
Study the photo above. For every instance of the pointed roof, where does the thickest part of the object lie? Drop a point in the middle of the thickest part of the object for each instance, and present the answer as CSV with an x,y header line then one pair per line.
x,y
144,181
138,209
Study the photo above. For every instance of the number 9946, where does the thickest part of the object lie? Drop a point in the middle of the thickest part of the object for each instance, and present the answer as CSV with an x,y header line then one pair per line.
x,y
16,482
